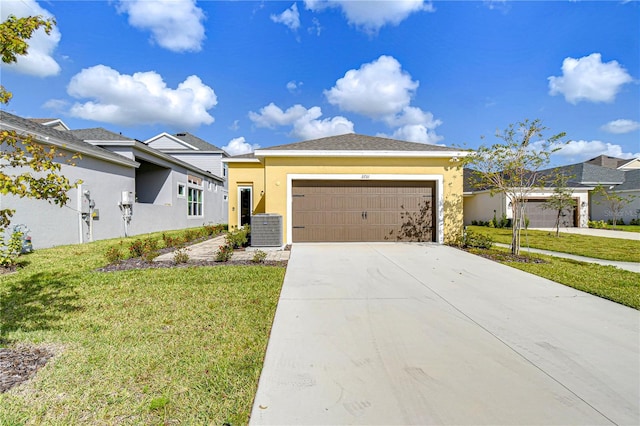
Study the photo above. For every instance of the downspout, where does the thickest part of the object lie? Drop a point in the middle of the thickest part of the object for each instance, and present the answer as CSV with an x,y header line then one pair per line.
x,y
79,210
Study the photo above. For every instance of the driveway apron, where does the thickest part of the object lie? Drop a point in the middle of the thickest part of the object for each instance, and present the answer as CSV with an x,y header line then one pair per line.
x,y
427,334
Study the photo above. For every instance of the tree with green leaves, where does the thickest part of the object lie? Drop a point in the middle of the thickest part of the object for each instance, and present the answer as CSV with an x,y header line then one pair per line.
x,y
614,201
562,199
27,168
512,166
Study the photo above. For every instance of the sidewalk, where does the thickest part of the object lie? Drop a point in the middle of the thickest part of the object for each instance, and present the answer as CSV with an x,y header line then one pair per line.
x,y
206,250
629,266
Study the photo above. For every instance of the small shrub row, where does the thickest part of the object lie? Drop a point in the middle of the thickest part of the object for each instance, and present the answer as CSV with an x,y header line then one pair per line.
x,y
470,239
148,248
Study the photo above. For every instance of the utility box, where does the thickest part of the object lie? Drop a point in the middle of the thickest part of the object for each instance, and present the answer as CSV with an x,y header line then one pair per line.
x,y
266,230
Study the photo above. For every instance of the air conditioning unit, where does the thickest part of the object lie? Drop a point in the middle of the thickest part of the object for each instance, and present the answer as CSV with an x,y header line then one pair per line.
x,y
266,230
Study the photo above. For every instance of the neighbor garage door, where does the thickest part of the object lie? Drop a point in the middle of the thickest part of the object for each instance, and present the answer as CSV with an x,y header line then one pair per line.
x,y
342,211
546,218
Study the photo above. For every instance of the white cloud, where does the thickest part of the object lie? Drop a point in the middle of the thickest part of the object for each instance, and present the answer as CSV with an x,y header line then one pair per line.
x,y
175,25
370,16
621,126
39,60
415,125
306,123
589,79
294,86
238,146
290,17
141,98
579,151
377,89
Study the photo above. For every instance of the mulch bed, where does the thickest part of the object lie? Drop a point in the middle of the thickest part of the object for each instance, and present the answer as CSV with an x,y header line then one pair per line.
x,y
137,263
20,364
506,257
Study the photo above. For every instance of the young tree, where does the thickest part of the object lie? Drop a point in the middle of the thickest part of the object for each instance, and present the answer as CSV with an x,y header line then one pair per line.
x,y
27,168
561,200
614,201
512,167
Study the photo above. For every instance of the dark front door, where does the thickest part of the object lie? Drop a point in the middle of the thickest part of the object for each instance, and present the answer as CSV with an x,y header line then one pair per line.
x,y
245,206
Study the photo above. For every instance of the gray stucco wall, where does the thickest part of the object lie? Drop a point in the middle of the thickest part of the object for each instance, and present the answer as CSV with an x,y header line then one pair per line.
x,y
52,225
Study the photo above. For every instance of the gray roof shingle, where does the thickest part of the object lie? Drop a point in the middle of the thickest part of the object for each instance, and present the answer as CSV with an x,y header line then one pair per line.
x,y
197,142
631,181
98,134
58,137
355,142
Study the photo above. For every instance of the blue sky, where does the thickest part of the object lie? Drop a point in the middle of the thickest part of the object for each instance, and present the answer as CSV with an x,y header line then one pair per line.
x,y
245,74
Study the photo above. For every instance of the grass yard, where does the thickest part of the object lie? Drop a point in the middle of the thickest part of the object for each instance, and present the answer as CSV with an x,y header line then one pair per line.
x,y
581,245
607,282
154,346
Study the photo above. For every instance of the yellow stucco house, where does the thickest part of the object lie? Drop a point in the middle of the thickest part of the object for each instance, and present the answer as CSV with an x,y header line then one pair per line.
x,y
351,188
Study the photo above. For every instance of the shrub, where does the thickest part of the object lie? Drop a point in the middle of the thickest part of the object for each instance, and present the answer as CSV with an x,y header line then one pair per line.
x,y
9,252
147,249
181,256
259,256
136,248
224,253
211,230
470,239
114,254
597,224
238,238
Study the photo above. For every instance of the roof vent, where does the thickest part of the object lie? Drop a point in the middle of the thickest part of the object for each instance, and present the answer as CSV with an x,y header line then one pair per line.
x,y
181,134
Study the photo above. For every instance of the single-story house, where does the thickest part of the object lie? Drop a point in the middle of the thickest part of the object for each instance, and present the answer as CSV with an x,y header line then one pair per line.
x,y
350,188
127,188
614,174
480,205
627,186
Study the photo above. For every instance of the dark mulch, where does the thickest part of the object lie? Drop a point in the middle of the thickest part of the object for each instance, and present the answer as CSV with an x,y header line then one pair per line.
x,y
137,263
505,257
19,365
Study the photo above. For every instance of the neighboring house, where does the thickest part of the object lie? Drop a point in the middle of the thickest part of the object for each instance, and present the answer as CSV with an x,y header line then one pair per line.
x,y
193,150
350,188
627,187
481,206
171,194
614,174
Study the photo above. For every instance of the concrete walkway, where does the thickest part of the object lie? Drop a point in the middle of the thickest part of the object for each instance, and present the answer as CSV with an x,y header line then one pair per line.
x,y
628,266
427,334
206,250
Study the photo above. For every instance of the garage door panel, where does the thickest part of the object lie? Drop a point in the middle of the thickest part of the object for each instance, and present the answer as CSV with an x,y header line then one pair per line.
x,y
335,211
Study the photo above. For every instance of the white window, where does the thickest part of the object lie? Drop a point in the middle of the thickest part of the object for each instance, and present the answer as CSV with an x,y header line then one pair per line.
x,y
181,190
195,191
194,201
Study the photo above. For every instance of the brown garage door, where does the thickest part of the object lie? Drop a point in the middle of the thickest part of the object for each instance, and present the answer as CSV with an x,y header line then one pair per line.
x,y
342,211
546,218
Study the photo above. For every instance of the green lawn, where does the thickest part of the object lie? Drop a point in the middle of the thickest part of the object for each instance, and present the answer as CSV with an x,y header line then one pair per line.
x,y
163,346
582,245
604,281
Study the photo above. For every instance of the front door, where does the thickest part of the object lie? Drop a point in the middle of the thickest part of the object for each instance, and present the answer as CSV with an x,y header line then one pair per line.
x,y
245,205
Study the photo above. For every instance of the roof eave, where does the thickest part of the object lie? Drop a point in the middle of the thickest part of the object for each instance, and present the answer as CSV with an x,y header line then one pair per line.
x,y
107,156
240,160
360,153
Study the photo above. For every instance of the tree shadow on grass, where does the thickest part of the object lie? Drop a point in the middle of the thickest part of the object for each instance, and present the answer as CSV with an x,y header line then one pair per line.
x,y
37,302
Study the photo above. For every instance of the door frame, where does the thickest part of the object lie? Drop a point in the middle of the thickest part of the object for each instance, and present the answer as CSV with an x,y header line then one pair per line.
x,y
240,188
439,198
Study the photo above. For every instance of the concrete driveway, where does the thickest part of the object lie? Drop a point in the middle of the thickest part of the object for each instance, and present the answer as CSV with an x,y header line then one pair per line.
x,y
426,334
